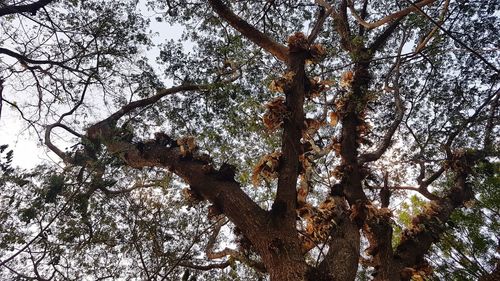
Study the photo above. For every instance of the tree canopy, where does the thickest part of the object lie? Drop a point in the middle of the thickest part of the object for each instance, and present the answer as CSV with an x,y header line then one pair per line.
x,y
270,140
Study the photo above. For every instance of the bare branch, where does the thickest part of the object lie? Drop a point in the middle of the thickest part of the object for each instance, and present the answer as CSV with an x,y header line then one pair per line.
x,y
233,254
49,128
423,42
28,8
392,17
153,99
386,140
24,60
474,52
249,31
323,14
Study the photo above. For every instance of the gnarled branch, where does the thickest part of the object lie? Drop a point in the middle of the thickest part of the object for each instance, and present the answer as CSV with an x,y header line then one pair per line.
x,y
386,140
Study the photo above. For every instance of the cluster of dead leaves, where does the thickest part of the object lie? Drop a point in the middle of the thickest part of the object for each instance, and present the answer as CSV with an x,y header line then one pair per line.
x,y
279,85
275,112
187,145
266,168
319,222
346,79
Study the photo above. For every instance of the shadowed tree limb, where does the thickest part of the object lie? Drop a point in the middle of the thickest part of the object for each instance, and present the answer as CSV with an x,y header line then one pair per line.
x,y
399,114
226,195
341,22
428,226
27,8
384,36
24,59
249,31
233,254
449,34
392,17
323,14
285,202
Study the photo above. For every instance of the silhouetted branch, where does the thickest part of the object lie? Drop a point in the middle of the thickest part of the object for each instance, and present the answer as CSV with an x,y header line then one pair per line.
x,y
27,8
249,31
392,17
475,53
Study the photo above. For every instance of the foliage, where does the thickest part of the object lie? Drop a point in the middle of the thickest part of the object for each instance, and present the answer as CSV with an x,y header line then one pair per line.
x,y
361,150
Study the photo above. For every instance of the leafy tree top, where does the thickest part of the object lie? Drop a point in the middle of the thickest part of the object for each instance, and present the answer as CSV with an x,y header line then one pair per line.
x,y
289,140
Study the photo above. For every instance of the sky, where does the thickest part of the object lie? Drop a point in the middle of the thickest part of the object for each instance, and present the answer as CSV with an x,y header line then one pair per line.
x,y
29,150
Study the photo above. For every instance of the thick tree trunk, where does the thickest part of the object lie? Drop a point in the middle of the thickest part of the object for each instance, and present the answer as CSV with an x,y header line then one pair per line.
x,y
341,262
284,258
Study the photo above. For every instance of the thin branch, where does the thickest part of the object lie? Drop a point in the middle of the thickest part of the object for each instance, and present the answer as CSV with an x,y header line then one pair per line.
x,y
153,99
475,53
469,120
49,128
423,42
24,60
323,14
400,110
392,17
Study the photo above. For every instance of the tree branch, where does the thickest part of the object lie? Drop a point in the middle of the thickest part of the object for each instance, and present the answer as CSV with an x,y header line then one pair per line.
x,y
28,8
196,170
233,254
382,38
423,42
24,59
341,22
285,203
323,14
249,31
386,140
427,227
474,52
392,17
206,266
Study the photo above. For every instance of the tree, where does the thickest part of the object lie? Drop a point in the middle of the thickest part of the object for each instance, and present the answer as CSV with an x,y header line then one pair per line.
x,y
323,140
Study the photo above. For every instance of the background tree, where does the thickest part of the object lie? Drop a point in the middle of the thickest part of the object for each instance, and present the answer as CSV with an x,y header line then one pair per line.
x,y
289,140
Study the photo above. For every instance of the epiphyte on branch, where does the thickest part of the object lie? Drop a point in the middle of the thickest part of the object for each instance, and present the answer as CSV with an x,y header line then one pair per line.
x,y
187,145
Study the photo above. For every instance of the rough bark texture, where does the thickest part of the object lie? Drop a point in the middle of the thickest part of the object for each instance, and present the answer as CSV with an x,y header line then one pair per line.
x,y
273,234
